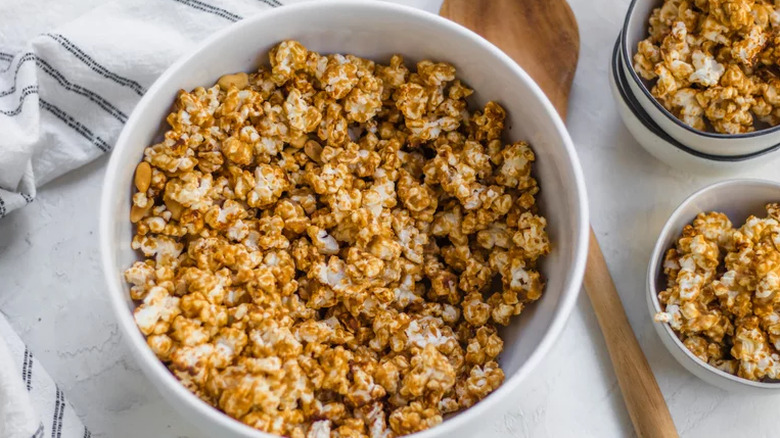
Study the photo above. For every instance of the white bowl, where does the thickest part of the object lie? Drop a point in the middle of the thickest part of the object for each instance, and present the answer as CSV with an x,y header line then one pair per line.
x,y
665,148
635,30
738,199
375,30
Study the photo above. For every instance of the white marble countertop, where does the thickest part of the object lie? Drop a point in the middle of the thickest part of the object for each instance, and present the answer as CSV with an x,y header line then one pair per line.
x,y
51,289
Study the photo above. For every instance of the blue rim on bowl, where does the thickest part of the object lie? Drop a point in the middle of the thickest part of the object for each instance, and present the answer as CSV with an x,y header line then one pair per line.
x,y
636,108
627,56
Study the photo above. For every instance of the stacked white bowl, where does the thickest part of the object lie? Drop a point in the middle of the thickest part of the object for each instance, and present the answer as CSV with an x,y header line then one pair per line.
x,y
661,133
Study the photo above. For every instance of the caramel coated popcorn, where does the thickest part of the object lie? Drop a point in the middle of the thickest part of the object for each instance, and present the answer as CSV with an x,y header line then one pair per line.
x,y
714,63
723,293
330,245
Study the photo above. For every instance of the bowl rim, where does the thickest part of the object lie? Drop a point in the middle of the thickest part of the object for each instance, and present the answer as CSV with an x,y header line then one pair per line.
x,y
659,249
712,135
639,112
168,382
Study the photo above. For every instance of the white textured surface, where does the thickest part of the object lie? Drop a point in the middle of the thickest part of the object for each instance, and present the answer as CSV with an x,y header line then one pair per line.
x,y
51,290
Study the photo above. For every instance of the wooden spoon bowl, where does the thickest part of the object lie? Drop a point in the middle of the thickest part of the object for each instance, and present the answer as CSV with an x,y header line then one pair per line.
x,y
541,36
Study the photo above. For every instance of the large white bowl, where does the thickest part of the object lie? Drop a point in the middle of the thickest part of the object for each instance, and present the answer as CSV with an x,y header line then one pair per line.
x,y
738,199
375,30
724,145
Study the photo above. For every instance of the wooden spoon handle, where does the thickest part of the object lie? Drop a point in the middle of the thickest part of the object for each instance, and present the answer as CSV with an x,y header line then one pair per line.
x,y
643,398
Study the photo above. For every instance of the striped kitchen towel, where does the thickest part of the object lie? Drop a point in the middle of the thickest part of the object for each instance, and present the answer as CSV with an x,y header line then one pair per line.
x,y
31,404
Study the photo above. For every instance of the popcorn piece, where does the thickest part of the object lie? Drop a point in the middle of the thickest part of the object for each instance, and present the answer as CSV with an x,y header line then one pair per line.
x,y
156,312
270,183
481,380
142,277
647,56
708,70
300,114
746,50
413,418
686,107
286,59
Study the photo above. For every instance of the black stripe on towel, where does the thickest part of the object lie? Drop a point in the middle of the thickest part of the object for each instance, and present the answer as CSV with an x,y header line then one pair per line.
x,y
66,84
26,91
59,408
87,433
94,66
27,368
27,198
63,116
30,362
195,4
24,363
7,57
2,214
78,89
26,57
78,127
272,3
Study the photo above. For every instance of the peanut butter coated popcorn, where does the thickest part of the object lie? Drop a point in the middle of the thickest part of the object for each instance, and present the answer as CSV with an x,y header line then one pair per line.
x,y
714,63
329,245
723,293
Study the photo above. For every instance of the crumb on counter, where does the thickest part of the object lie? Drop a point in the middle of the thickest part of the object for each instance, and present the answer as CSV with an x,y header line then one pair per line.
x,y
329,244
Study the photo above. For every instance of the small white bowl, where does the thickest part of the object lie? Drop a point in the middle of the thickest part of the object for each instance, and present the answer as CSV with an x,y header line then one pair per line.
x,y
374,30
738,199
724,145
665,148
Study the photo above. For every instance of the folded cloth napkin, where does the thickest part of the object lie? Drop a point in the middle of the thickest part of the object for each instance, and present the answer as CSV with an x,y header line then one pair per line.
x,y
70,74
31,404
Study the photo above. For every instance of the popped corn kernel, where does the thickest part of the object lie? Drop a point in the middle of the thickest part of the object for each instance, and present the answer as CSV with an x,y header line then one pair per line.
x,y
482,379
414,418
156,312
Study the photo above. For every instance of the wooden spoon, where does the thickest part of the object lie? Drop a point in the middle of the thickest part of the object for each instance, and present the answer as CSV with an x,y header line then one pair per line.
x,y
542,36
